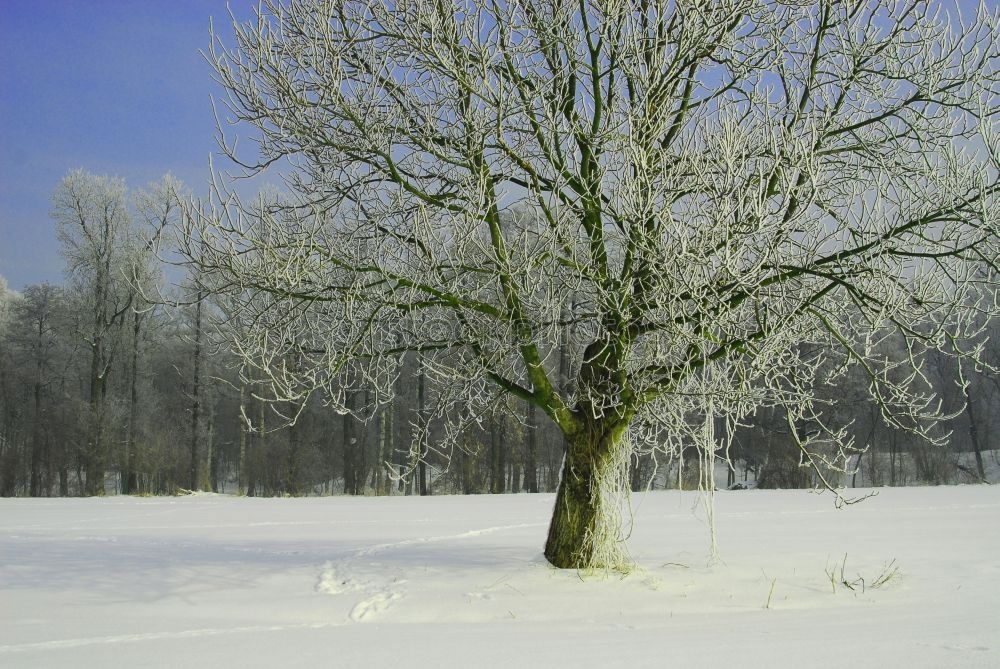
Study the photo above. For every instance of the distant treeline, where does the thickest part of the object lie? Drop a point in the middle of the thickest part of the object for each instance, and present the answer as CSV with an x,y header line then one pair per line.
x,y
172,418
108,387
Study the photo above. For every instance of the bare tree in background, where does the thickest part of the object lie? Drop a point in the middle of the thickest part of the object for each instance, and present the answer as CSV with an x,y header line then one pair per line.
x,y
12,310
8,299
739,200
93,225
36,340
157,206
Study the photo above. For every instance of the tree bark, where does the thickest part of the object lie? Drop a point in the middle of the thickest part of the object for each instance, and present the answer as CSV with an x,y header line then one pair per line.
x,y
293,475
100,367
498,462
577,532
129,482
34,485
350,448
465,465
193,482
388,446
974,436
212,460
892,460
241,474
256,452
376,469
531,456
424,488
95,453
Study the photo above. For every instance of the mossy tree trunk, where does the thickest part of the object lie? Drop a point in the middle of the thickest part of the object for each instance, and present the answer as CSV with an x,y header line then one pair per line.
x,y
584,530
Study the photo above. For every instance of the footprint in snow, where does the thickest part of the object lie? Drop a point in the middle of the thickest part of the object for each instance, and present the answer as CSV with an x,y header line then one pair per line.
x,y
332,583
374,605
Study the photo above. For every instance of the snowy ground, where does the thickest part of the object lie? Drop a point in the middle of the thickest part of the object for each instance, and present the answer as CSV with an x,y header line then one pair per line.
x,y
460,582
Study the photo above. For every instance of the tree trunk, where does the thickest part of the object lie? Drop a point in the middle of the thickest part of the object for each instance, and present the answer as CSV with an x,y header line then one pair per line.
x,y
465,464
580,535
399,433
129,483
364,442
974,435
531,455
498,462
95,454
293,476
9,458
376,478
212,467
256,452
350,448
892,460
635,473
35,478
241,465
388,446
193,482
424,489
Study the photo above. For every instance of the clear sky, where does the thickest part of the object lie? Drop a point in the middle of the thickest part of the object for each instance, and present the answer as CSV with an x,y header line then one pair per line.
x,y
113,86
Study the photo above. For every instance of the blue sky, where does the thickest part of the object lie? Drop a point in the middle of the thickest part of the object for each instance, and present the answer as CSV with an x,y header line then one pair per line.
x,y
116,87
113,86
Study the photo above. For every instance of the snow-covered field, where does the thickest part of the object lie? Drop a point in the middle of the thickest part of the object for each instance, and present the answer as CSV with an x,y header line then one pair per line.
x,y
212,581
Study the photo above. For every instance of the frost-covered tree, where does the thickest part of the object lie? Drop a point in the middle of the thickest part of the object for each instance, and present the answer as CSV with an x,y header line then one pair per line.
x,y
7,299
156,207
720,206
101,247
36,341
10,402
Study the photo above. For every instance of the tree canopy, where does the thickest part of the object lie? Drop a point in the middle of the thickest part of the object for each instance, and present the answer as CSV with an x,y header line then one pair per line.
x,y
724,205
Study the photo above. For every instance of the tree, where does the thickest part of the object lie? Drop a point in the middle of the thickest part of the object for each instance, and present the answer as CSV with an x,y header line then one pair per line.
x,y
740,199
93,225
156,206
36,339
10,401
8,299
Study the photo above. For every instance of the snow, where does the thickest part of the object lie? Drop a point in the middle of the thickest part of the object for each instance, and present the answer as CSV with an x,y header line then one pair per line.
x,y
460,582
